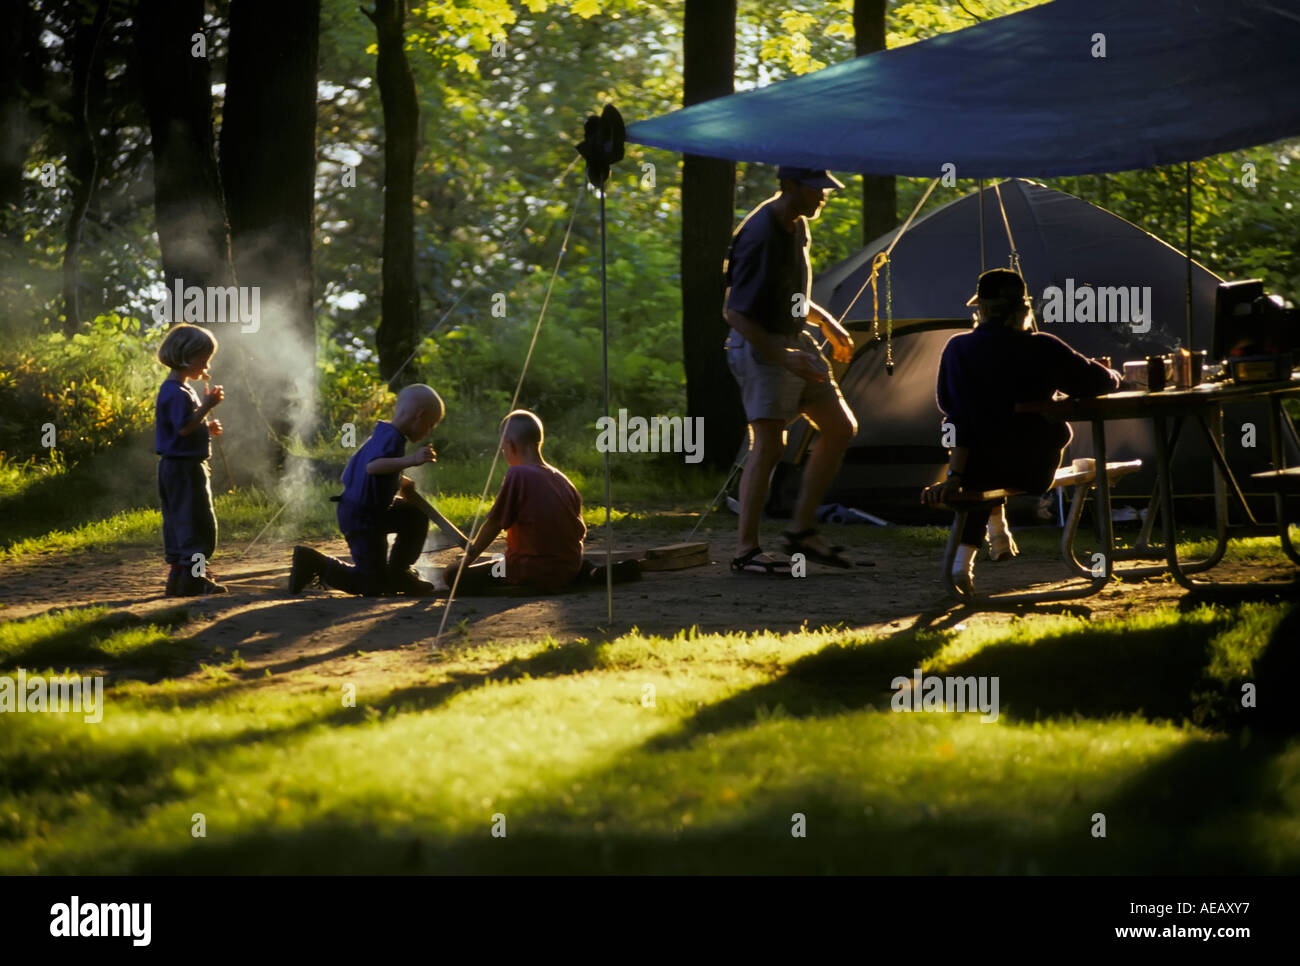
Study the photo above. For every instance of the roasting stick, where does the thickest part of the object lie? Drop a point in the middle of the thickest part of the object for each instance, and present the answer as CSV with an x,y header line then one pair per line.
x,y
428,509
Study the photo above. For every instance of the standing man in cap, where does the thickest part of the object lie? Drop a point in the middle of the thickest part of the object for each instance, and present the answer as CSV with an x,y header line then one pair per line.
x,y
781,371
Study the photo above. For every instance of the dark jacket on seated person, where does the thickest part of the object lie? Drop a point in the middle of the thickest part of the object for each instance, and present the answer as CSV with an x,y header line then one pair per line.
x,y
983,375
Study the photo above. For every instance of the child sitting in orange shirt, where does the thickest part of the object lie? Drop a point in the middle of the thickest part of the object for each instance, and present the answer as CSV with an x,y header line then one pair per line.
x,y
541,512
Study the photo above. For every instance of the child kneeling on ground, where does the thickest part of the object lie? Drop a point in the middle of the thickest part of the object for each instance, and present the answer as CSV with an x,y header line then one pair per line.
x,y
368,511
541,512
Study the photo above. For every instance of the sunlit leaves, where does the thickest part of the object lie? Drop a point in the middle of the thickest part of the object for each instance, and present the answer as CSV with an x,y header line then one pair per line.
x,y
455,25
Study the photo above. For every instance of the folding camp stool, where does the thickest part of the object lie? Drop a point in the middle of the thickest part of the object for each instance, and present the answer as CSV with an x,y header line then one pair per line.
x,y
1083,480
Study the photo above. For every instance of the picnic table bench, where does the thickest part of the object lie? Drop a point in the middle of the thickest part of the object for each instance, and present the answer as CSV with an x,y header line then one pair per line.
x,y
963,502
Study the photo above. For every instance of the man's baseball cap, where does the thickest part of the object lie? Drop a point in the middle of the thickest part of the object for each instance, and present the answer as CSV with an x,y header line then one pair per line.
x,y
808,176
998,283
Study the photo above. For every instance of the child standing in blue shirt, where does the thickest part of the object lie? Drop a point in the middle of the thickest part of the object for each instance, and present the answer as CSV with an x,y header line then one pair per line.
x,y
182,434
367,513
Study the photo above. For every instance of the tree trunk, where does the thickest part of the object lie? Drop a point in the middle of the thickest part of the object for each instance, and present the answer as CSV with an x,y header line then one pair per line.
x,y
268,175
188,208
270,194
395,338
20,78
708,211
879,197
83,158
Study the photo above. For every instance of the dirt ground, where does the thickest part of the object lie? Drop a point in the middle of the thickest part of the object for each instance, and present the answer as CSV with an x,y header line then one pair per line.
x,y
272,629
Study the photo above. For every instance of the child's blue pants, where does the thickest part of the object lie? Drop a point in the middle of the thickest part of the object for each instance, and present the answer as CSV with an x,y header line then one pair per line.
x,y
375,565
189,523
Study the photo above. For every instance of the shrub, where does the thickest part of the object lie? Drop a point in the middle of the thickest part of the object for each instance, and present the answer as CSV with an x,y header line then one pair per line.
x,y
94,387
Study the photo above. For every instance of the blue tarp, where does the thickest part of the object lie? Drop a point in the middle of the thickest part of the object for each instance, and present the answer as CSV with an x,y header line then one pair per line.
x,y
1024,95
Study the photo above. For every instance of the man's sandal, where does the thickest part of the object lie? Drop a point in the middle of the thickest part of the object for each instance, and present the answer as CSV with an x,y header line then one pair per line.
x,y
794,543
747,563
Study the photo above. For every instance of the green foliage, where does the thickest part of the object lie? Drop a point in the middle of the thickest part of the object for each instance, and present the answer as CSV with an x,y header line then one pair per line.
x,y
913,20
813,34
350,392
94,387
453,28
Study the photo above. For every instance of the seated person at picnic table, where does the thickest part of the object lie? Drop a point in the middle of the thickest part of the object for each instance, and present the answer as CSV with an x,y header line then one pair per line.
x,y
983,374
369,508
541,513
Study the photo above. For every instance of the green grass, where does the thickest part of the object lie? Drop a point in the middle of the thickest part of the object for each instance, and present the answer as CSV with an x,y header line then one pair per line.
x,y
93,637
240,516
1134,719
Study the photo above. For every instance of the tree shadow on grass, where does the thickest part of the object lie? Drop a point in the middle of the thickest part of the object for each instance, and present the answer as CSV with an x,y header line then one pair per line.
x,y
136,779
1095,672
949,613
1156,672
572,657
838,678
1183,815
1189,811
90,644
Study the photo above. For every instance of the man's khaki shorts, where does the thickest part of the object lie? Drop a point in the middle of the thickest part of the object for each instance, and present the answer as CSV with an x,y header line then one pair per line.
x,y
771,391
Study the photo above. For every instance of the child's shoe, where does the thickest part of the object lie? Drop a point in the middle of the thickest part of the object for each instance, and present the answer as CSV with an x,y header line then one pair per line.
x,y
410,583
306,568
187,585
173,580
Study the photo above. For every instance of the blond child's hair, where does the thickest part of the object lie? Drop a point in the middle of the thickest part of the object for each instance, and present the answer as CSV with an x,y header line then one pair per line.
x,y
184,343
418,398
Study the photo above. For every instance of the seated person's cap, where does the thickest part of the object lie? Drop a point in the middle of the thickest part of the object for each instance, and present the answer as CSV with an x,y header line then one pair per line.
x,y
808,176
998,283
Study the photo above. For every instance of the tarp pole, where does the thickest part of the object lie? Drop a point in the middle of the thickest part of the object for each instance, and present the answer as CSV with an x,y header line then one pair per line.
x,y
1188,204
981,194
604,379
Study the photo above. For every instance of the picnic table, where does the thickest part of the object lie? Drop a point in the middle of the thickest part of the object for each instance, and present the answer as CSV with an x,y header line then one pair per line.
x,y
1202,407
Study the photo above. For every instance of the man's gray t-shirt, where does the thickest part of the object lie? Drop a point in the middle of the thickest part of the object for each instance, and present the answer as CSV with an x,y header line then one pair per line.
x,y
766,267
